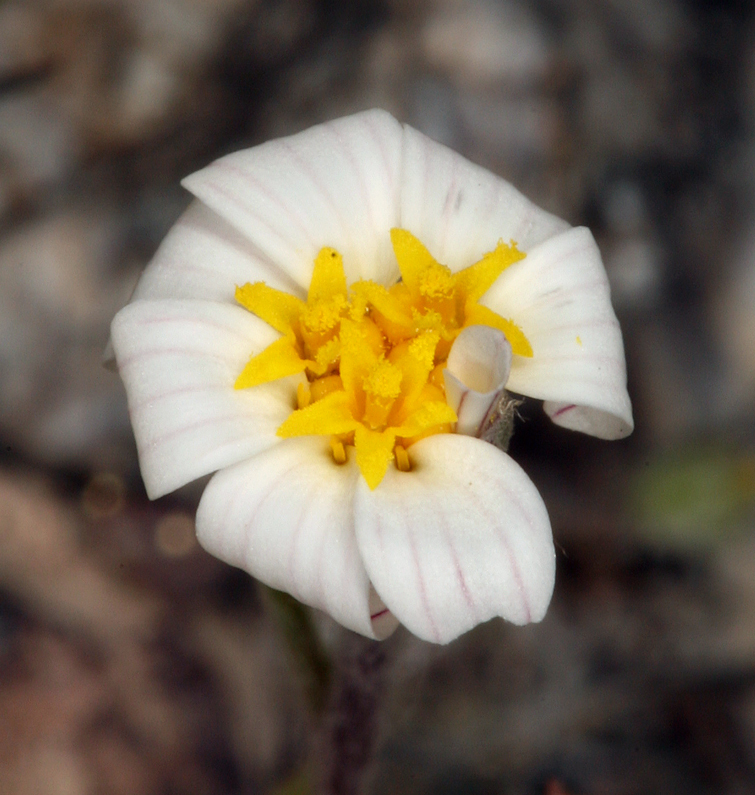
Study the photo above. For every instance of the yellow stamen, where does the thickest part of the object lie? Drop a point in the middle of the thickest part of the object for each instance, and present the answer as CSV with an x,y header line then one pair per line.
x,y
402,459
324,316
436,281
338,450
327,357
374,359
303,395
324,386
384,381
382,385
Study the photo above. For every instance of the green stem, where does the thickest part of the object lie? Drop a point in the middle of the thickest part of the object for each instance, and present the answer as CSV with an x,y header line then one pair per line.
x,y
295,621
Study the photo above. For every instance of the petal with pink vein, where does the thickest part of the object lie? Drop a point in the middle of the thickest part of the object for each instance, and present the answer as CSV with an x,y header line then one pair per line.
x,y
204,257
462,537
287,518
179,361
460,210
336,184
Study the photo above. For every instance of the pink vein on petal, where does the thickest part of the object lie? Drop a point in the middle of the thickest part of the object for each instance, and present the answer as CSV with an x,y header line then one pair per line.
x,y
557,264
450,198
528,221
246,176
315,180
350,544
245,209
295,589
564,410
272,487
608,323
379,533
163,438
321,589
383,154
194,321
135,358
357,172
232,502
461,402
260,258
500,532
423,588
185,390
519,583
459,573
426,177
577,357
492,201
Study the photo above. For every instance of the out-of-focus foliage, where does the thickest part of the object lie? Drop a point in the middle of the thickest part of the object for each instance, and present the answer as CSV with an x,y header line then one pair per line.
x,y
695,497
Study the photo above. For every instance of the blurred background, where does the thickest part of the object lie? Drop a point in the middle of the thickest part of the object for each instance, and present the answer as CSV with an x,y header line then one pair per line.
x,y
131,663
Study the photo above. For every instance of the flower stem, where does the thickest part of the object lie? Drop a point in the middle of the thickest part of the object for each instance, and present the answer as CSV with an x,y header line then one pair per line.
x,y
345,695
351,722
295,622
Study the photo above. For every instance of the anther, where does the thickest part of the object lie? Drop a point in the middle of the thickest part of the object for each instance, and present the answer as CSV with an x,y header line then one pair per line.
x,y
403,464
303,395
339,451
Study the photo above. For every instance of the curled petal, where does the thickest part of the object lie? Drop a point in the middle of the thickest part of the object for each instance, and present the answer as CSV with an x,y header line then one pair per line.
x,y
560,298
287,518
462,537
460,210
477,370
335,184
204,257
179,361
586,419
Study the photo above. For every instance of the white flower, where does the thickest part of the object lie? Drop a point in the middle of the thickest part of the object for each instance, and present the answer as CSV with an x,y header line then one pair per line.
x,y
340,479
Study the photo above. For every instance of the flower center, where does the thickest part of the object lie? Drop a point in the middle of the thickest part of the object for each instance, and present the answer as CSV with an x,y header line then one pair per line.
x,y
373,356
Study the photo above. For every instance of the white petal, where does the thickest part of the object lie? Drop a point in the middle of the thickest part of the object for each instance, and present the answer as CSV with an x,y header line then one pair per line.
x,y
179,361
477,370
462,537
559,296
204,257
459,210
287,518
336,184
